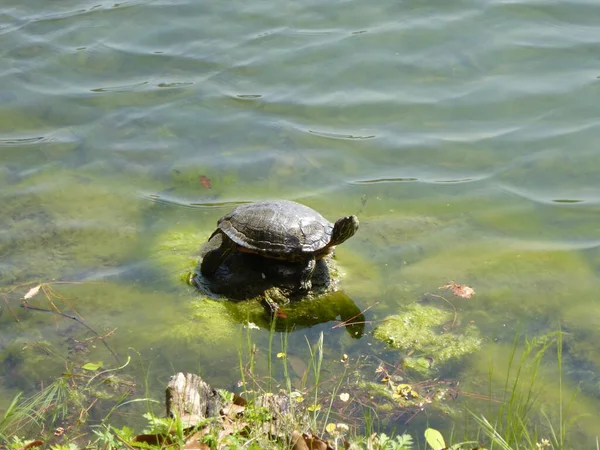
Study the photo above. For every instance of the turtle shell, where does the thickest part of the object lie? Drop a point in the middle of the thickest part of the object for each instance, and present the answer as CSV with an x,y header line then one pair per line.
x,y
278,229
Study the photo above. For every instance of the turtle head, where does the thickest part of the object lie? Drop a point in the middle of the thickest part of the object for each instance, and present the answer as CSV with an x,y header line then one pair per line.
x,y
344,228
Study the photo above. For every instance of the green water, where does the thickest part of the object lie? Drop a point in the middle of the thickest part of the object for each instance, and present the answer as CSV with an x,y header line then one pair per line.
x,y
469,130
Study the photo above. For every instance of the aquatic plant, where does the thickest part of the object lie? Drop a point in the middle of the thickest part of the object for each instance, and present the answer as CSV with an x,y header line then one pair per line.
x,y
418,329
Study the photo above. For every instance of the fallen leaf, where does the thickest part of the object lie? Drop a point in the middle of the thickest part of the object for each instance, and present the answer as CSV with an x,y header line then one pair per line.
x,y
205,181
298,441
154,439
194,442
460,290
314,443
233,411
91,366
32,443
32,293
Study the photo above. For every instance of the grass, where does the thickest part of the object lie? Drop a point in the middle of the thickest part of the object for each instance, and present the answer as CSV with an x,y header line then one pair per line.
x,y
518,424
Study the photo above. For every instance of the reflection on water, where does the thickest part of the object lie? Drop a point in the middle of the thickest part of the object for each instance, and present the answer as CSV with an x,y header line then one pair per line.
x,y
470,126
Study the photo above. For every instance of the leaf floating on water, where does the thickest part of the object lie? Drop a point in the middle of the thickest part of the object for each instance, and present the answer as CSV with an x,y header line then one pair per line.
x,y
460,290
32,292
92,366
205,181
435,439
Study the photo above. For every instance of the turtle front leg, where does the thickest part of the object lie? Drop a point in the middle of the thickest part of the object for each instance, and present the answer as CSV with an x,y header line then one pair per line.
x,y
214,258
307,273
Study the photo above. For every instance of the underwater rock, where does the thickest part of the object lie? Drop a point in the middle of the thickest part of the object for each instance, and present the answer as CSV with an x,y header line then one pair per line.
x,y
244,276
238,291
332,307
282,230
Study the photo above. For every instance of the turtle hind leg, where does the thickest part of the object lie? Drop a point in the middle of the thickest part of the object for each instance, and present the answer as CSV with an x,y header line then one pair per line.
x,y
306,274
214,258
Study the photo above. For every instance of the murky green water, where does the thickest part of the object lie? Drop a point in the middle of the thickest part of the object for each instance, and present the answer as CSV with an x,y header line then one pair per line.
x,y
470,127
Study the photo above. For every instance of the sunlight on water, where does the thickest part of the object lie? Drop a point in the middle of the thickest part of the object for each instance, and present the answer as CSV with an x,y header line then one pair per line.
x,y
464,134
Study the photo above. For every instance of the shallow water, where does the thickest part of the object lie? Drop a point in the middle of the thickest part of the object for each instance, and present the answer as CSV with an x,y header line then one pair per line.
x,y
463,133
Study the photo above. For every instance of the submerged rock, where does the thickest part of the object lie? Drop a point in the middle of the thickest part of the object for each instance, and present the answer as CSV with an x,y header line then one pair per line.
x,y
245,284
244,276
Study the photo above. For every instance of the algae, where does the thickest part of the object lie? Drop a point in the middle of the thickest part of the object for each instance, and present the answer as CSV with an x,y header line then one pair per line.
x,y
418,330
48,230
206,322
176,252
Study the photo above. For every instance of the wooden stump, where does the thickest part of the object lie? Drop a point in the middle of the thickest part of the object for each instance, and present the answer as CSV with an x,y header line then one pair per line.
x,y
192,399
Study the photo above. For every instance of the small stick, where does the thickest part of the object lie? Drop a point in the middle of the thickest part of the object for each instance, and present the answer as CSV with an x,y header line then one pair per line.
x,y
345,322
26,305
450,303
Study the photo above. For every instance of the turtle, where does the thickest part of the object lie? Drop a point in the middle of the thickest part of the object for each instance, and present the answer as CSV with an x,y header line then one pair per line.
x,y
279,229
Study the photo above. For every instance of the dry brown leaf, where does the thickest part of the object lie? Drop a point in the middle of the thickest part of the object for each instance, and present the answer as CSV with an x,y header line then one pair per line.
x,y
194,442
153,439
314,443
233,411
460,290
298,441
32,293
37,443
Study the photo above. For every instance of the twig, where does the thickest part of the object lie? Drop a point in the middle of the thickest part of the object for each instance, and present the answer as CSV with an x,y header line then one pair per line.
x,y
345,322
9,308
85,411
450,303
26,305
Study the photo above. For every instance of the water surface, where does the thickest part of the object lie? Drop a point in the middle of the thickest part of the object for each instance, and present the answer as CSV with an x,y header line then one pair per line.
x,y
469,127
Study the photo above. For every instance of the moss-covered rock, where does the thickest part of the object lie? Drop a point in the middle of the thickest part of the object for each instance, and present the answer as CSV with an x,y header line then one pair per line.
x,y
176,252
419,330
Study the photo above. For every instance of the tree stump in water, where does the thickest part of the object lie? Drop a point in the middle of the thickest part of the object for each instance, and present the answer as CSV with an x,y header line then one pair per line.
x,y
193,401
